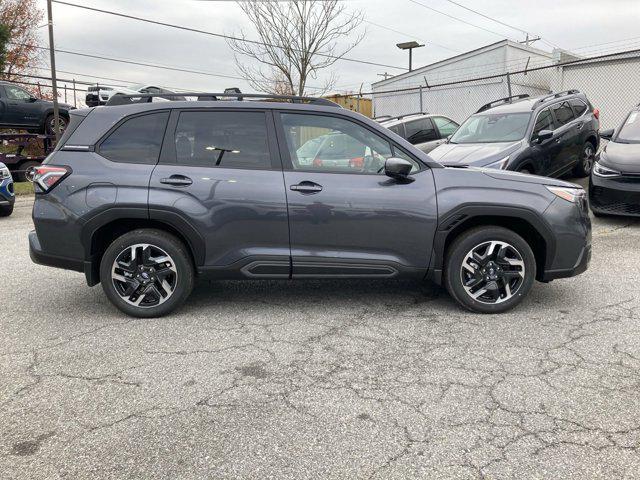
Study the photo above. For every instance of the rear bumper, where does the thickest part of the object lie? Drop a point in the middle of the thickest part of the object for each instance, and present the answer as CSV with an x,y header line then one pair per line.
x,y
42,258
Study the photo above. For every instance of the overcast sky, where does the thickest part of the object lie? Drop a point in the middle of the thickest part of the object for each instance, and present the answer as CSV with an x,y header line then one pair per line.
x,y
571,24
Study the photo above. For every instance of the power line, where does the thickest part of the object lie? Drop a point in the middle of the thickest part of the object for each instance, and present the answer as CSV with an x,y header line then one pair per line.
x,y
497,21
214,34
410,36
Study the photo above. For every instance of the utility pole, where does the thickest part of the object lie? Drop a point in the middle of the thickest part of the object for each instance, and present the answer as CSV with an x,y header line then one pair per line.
x,y
52,55
385,75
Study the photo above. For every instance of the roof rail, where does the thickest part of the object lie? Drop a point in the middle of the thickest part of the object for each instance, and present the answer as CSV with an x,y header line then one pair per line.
x,y
502,101
382,118
572,91
400,117
120,99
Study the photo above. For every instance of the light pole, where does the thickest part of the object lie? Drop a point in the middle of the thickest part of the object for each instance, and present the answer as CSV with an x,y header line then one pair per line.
x,y
52,55
409,46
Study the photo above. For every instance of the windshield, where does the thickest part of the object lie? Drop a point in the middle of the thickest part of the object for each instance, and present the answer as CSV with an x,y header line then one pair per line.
x,y
490,128
630,131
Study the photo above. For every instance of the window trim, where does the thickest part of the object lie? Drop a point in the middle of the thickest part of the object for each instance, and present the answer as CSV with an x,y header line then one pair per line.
x,y
97,146
557,122
577,99
287,164
168,155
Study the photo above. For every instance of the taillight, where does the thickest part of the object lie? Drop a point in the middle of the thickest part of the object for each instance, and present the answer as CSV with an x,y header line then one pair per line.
x,y
356,162
47,177
596,113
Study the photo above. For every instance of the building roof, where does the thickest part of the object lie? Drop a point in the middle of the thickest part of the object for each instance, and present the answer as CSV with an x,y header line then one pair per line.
x,y
461,56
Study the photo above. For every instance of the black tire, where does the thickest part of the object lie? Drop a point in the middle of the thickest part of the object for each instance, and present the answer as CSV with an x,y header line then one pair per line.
x,y
178,258
49,124
6,210
21,174
584,166
468,242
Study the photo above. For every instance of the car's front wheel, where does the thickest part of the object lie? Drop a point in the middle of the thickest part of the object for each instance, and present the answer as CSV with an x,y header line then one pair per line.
x,y
147,273
50,124
489,269
6,210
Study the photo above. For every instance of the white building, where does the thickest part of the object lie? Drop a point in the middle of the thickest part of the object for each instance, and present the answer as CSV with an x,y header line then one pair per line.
x,y
458,86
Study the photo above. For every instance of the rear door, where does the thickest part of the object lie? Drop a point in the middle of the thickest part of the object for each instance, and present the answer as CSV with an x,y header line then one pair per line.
x,y
566,135
220,177
350,220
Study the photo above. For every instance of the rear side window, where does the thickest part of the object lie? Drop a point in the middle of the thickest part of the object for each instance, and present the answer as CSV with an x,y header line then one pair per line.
x,y
563,113
137,140
223,139
398,129
578,106
420,131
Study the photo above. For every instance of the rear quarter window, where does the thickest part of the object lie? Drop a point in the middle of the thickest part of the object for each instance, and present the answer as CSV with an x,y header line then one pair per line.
x,y
137,140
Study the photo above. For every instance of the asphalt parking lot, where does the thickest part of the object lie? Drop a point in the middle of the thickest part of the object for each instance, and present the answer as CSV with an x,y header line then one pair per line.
x,y
334,379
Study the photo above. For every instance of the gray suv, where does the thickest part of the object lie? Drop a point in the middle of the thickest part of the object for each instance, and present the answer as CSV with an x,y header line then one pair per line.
x,y
147,198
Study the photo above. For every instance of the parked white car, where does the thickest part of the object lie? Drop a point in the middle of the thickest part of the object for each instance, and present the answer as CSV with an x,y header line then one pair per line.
x,y
100,94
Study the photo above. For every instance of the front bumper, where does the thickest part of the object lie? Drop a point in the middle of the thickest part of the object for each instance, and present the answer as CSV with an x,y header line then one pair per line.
x,y
615,196
584,259
7,196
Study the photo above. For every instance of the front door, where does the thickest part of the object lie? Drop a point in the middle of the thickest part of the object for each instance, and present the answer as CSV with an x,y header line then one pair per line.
x,y
347,219
220,170
547,154
21,107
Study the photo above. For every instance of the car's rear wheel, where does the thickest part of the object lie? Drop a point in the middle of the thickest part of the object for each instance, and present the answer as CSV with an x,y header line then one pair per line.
x,y
21,174
584,166
489,269
147,273
50,124
6,210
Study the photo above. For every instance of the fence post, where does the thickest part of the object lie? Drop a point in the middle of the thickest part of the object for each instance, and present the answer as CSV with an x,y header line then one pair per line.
x,y
74,93
39,90
65,93
509,83
421,109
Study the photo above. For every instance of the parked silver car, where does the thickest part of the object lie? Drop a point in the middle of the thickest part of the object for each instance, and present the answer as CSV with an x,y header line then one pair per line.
x,y
424,130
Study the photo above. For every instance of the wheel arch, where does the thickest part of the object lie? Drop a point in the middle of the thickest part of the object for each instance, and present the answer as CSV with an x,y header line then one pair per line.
x,y
98,234
526,223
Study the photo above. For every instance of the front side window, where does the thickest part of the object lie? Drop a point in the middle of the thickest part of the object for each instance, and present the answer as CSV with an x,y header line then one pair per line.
x,y
223,139
543,122
17,93
563,113
137,140
420,131
630,131
445,125
492,128
330,144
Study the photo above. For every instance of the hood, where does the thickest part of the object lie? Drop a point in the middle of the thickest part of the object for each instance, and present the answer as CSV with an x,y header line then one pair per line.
x,y
624,157
476,154
525,178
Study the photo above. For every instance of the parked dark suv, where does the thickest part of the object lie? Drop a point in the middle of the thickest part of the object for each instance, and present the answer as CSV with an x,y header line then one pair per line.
x,y
19,109
550,135
145,198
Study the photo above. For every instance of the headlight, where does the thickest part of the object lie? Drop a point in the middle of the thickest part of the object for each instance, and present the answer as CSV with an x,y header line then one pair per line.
x,y
602,171
500,164
4,173
574,195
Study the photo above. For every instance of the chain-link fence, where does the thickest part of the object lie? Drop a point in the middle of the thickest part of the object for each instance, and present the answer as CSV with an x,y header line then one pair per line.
x,y
611,82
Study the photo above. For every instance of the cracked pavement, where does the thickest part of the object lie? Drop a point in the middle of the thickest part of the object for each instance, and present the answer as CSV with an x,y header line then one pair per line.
x,y
321,379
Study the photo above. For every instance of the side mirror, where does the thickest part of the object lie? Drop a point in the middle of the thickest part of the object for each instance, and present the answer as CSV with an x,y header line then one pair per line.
x,y
397,168
544,135
448,138
32,99
607,134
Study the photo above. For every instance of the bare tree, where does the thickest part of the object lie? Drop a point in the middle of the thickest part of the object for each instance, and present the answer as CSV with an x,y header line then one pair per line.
x,y
296,39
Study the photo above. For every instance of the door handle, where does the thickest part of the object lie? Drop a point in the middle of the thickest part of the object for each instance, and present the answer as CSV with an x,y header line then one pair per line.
x,y
306,187
579,127
177,181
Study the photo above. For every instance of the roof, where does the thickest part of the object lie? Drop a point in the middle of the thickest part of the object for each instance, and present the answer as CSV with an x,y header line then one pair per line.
x,y
492,46
407,118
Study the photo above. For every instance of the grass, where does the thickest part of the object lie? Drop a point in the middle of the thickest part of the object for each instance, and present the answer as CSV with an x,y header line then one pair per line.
x,y
23,188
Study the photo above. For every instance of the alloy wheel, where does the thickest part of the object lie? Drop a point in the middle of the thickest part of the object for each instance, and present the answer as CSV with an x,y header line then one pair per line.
x,y
588,156
62,124
144,275
492,272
